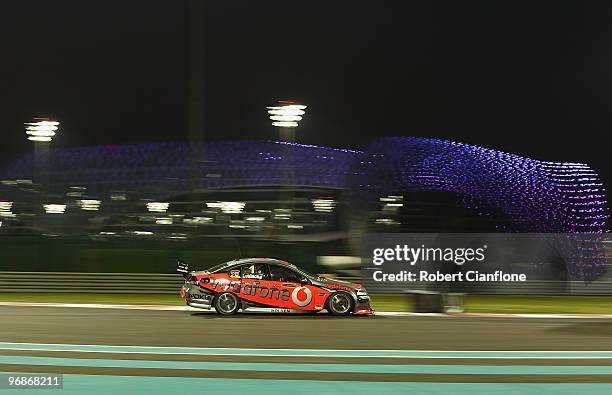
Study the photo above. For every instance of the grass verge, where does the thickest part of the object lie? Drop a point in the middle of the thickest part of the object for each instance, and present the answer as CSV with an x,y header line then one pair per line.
x,y
538,304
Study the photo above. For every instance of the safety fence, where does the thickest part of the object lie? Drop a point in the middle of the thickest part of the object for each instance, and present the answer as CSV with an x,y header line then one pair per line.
x,y
132,283
160,283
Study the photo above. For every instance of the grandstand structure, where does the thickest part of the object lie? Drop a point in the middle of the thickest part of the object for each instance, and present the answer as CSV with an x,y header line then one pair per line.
x,y
272,190
540,196
525,194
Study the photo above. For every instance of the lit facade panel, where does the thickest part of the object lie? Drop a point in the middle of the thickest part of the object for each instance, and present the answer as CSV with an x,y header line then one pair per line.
x,y
541,196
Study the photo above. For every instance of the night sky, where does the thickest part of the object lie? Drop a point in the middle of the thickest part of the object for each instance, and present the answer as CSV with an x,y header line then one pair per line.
x,y
531,78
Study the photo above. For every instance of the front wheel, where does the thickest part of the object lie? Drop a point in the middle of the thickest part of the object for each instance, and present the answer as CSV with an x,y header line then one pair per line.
x,y
340,303
227,303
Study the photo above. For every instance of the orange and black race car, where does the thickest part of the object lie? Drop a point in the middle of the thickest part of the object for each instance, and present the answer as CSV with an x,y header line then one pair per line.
x,y
269,285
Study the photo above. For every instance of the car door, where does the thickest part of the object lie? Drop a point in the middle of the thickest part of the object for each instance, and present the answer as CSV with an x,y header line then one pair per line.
x,y
293,294
255,282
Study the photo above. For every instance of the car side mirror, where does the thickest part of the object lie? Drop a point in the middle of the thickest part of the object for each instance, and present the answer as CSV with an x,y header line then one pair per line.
x,y
304,280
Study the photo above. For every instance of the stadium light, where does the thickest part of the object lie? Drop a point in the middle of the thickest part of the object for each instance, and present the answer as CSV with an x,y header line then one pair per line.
x,y
287,114
323,205
54,208
41,129
5,209
227,207
158,207
89,204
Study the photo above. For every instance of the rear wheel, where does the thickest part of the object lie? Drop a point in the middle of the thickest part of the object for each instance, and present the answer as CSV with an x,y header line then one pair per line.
x,y
227,303
340,303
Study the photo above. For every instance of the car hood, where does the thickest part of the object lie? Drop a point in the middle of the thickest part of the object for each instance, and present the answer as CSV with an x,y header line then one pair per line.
x,y
334,283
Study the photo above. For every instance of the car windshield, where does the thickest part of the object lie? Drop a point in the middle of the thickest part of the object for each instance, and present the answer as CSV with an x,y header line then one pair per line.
x,y
223,265
302,271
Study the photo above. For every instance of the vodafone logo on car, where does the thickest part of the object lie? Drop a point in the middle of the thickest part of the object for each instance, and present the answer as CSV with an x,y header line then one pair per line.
x,y
301,296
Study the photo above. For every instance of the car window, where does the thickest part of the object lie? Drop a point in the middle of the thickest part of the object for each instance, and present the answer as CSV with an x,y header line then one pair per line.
x,y
279,273
255,271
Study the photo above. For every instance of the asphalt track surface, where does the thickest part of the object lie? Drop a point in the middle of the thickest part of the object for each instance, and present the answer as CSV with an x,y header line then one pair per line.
x,y
312,354
195,329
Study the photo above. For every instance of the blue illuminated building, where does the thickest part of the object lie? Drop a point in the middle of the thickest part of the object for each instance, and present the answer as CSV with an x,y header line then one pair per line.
x,y
542,196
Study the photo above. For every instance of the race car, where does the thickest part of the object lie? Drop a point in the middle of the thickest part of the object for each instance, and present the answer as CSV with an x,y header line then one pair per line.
x,y
270,285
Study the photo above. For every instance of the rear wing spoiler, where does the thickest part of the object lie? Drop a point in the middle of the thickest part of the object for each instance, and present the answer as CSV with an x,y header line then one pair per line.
x,y
182,268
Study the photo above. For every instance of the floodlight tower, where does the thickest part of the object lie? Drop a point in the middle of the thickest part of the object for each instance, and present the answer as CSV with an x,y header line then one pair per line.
x,y
286,116
196,98
41,131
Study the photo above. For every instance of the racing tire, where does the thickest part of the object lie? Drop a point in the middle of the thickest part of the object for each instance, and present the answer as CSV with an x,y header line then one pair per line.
x,y
340,303
227,303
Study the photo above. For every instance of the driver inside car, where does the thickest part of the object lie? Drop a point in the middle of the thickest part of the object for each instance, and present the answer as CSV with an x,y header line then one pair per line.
x,y
252,271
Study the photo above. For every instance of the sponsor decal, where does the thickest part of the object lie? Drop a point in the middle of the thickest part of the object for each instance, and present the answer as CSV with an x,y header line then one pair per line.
x,y
338,286
234,273
248,289
301,296
198,296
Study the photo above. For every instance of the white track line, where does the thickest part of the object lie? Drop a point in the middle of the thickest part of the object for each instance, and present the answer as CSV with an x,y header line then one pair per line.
x,y
324,353
378,313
